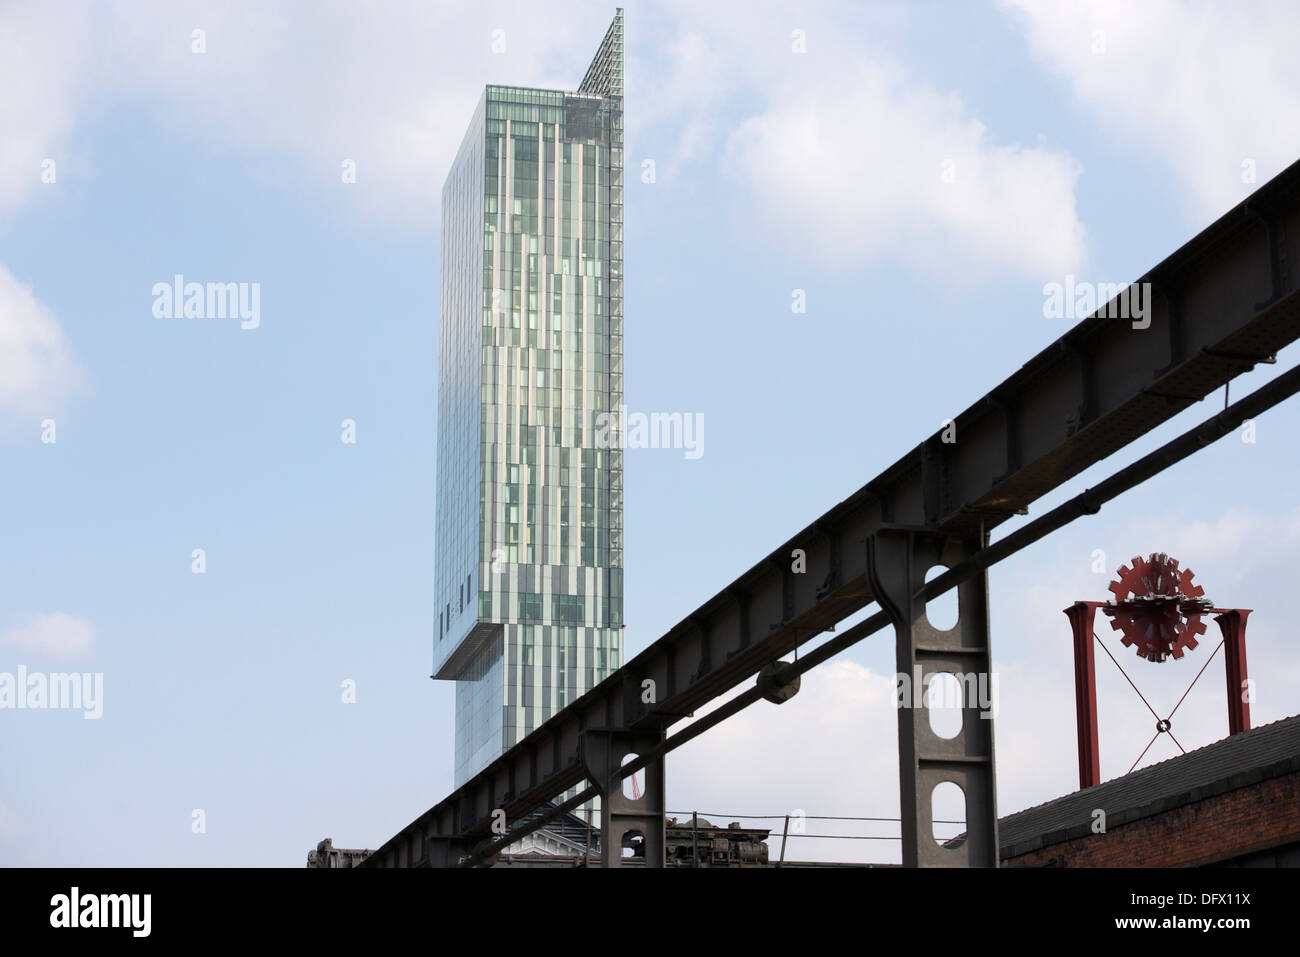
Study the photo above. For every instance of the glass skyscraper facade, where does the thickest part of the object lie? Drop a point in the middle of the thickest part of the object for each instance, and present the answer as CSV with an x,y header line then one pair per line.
x,y
529,536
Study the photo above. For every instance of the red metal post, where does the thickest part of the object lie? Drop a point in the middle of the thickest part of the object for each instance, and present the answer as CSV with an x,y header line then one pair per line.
x,y
1081,615
1233,624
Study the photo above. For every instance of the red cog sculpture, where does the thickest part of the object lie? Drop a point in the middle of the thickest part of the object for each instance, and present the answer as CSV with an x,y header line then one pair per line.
x,y
1157,607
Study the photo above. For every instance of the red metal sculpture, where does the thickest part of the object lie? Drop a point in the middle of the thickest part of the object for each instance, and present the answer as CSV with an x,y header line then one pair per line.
x,y
1157,609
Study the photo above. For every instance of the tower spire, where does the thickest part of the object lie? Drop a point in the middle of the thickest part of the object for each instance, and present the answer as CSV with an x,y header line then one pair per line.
x,y
605,75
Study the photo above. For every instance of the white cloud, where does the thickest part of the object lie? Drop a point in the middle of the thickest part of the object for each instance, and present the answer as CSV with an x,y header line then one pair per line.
x,y
902,173
831,750
684,95
1233,532
842,149
1201,86
837,177
391,88
37,371
57,635
41,81
312,85
304,86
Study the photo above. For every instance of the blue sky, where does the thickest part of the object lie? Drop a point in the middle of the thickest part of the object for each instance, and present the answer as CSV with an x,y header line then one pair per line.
x,y
774,171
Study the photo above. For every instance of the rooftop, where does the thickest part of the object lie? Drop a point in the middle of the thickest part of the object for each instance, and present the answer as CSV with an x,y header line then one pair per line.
x,y
1242,759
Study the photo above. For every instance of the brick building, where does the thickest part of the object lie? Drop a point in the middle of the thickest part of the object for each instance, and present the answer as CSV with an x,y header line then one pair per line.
x,y
1233,803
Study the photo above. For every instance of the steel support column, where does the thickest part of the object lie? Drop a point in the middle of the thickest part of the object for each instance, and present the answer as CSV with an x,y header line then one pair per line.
x,y
621,817
1233,625
897,561
1082,615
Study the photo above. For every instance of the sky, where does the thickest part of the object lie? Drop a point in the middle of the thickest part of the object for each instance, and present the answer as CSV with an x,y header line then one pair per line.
x,y
181,515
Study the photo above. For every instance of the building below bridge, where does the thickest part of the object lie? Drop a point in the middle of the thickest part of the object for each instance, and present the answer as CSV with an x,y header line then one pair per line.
x,y
327,855
570,842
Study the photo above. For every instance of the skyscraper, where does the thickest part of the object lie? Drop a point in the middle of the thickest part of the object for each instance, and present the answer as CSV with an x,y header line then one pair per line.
x,y
529,536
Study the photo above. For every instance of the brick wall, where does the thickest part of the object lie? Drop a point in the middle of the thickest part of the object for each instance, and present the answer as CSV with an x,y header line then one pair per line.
x,y
1247,819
